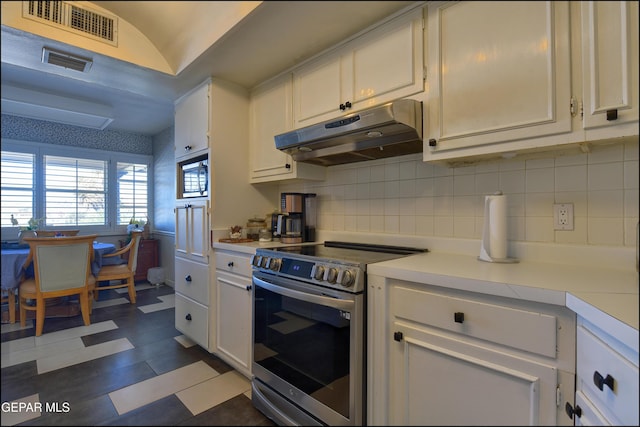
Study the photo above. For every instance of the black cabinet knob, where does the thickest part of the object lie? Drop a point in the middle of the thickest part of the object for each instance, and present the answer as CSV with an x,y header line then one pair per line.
x,y
398,336
343,107
432,142
612,115
347,104
458,317
188,316
601,381
230,264
571,411
288,166
187,148
188,278
248,287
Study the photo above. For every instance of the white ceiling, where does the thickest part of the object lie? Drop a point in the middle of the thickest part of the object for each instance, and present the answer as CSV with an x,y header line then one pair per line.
x,y
272,38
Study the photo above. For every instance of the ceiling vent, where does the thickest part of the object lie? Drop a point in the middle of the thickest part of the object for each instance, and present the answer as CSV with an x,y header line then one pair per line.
x,y
73,18
66,60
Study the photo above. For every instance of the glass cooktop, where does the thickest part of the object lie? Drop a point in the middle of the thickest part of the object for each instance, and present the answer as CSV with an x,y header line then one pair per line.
x,y
349,252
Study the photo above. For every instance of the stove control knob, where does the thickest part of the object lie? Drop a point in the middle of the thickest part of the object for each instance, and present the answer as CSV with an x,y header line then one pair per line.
x,y
274,264
318,274
348,278
332,275
264,262
255,260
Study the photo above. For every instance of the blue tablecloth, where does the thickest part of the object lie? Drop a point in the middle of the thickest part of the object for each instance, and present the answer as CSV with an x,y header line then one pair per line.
x,y
13,259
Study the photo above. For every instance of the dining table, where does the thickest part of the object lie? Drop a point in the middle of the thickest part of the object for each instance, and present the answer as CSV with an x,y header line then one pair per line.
x,y
15,254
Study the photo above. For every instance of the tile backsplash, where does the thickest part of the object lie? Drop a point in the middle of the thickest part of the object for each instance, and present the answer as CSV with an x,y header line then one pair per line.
x,y
406,196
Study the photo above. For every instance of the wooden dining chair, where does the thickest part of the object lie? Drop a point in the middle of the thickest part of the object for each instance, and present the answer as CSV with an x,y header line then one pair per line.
x,y
123,274
55,233
9,297
62,267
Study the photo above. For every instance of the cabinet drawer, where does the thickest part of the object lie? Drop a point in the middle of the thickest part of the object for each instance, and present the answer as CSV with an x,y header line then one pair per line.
x,y
192,280
192,319
233,263
596,359
525,330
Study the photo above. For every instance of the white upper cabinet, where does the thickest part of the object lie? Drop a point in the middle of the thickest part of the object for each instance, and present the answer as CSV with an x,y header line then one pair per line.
x,y
271,114
192,123
610,65
379,66
516,77
497,72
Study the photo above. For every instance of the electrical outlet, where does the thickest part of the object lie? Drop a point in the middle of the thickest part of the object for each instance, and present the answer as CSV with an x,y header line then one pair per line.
x,y
563,216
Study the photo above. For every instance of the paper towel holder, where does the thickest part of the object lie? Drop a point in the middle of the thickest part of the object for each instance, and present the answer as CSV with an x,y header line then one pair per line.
x,y
485,253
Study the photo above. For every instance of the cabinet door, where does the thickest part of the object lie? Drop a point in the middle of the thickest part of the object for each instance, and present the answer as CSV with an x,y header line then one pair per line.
x,y
610,62
497,72
387,63
234,320
147,257
318,89
192,123
437,380
270,115
192,230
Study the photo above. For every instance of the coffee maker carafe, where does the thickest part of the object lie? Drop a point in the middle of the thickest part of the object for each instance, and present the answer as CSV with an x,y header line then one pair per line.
x,y
297,223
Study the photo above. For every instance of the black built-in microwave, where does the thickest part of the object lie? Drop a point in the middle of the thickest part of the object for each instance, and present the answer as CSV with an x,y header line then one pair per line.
x,y
194,177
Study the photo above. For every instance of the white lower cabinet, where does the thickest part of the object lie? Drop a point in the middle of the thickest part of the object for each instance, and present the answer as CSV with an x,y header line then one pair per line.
x,y
192,300
233,309
192,319
606,379
460,358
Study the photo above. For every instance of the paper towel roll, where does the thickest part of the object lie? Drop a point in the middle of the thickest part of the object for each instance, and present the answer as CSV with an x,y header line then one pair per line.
x,y
494,232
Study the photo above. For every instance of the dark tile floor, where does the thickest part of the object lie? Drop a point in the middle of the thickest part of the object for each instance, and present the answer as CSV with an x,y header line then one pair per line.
x,y
86,386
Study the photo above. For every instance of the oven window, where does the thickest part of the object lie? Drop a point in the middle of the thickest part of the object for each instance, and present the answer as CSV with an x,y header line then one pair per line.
x,y
305,344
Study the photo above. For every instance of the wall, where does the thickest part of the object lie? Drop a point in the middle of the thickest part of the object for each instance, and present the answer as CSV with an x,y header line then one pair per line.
x,y
405,196
164,200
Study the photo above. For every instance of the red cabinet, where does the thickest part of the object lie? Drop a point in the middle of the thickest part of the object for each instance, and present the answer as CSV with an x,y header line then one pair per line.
x,y
147,257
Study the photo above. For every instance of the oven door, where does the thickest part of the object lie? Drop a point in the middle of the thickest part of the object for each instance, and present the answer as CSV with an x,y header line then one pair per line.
x,y
308,347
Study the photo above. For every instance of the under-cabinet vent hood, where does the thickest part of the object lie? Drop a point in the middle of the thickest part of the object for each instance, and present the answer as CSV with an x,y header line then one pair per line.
x,y
390,130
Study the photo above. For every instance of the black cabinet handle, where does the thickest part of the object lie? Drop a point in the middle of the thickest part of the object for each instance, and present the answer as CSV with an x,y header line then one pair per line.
x,y
188,278
458,317
188,316
612,115
342,107
347,104
397,336
230,264
288,166
571,411
187,148
432,142
601,381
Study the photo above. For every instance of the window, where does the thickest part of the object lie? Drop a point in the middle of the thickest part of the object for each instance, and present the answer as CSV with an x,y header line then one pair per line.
x,y
96,191
132,187
75,191
16,173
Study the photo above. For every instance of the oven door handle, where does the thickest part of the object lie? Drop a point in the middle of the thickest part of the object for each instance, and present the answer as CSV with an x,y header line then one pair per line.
x,y
336,303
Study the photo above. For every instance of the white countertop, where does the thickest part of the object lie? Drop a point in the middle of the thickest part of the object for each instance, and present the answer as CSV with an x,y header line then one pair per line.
x,y
605,296
596,284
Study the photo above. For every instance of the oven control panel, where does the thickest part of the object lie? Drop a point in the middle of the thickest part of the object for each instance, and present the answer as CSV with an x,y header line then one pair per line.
x,y
332,274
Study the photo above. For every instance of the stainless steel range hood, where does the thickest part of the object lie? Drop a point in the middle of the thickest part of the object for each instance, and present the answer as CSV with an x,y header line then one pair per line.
x,y
393,129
